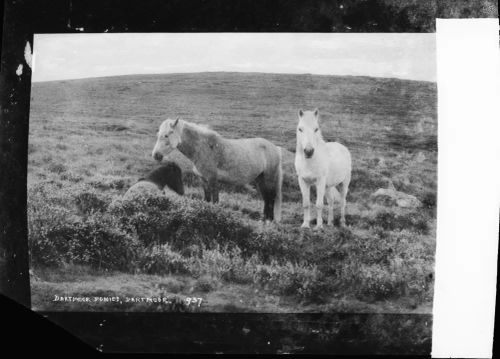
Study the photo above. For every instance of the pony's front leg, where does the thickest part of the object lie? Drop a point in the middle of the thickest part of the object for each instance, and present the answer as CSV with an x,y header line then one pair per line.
x,y
320,200
305,189
207,190
214,189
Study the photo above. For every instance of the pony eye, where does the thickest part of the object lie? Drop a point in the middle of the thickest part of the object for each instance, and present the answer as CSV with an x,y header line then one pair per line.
x,y
300,129
315,130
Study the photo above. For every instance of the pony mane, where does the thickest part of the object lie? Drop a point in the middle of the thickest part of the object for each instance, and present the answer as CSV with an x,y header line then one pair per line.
x,y
202,128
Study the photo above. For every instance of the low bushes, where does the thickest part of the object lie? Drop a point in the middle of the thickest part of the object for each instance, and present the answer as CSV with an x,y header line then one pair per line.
x,y
225,264
97,242
47,228
90,202
392,265
162,260
366,180
416,221
385,257
181,222
93,241
304,280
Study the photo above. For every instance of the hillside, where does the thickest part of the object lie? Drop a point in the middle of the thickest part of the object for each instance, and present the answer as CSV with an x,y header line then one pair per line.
x,y
92,139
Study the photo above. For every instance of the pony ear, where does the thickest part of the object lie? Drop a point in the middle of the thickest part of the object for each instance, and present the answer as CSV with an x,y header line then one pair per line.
x,y
316,112
301,113
176,122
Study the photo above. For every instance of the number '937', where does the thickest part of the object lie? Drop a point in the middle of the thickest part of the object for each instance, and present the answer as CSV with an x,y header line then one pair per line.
x,y
194,301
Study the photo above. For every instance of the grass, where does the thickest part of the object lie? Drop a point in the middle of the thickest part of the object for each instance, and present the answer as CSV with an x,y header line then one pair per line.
x,y
91,139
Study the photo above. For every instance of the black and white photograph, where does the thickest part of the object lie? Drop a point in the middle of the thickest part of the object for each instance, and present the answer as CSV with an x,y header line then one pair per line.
x,y
275,173
246,177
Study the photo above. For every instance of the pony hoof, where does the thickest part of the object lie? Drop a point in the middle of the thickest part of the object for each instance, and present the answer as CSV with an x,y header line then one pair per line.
x,y
305,225
318,228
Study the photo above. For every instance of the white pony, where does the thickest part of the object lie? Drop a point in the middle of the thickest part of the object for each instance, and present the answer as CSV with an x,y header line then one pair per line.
x,y
323,164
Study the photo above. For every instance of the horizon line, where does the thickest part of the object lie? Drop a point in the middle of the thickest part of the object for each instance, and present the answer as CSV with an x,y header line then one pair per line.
x,y
232,72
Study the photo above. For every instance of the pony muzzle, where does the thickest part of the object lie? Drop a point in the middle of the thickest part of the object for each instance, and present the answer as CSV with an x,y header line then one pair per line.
x,y
157,156
308,152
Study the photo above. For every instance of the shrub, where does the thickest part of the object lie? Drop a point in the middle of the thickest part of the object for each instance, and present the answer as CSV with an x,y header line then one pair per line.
x,y
255,215
302,280
429,199
366,180
89,202
205,284
399,278
329,253
386,265
415,221
161,259
97,242
47,237
48,244
182,222
213,262
206,224
72,177
57,168
224,264
376,282
108,182
146,217
273,242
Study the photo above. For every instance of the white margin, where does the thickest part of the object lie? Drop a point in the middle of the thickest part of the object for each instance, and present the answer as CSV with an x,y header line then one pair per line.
x,y
468,73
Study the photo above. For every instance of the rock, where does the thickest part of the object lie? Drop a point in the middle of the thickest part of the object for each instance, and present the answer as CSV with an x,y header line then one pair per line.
x,y
420,157
404,179
419,127
380,162
408,202
390,185
392,197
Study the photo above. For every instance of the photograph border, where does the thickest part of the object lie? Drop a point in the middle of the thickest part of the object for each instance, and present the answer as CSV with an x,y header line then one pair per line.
x,y
192,332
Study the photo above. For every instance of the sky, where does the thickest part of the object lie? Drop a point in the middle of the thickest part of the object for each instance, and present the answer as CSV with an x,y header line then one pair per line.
x,y
72,56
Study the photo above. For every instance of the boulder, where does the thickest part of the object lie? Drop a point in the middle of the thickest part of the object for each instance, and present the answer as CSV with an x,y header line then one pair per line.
x,y
392,197
420,157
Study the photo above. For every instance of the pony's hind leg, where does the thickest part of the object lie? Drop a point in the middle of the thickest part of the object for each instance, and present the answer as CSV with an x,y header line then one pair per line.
x,y
343,201
320,200
211,189
208,194
267,196
330,197
269,206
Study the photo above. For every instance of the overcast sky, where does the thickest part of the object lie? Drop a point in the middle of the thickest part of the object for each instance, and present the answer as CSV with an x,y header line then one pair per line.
x,y
72,56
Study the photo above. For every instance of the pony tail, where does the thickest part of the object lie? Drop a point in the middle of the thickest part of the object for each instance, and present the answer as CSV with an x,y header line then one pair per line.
x,y
279,182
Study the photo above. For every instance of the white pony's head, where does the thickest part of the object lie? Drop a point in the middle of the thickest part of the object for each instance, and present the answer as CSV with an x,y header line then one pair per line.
x,y
308,132
169,137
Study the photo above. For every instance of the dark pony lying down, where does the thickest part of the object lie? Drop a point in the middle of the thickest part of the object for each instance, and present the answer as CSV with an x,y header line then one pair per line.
x,y
164,180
